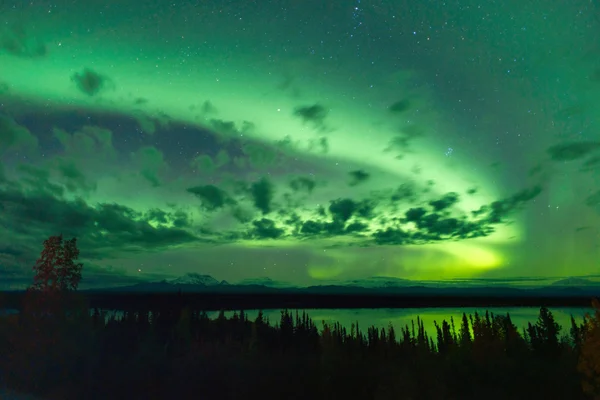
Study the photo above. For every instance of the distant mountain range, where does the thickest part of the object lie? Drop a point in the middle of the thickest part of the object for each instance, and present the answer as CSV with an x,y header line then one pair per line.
x,y
198,283
196,279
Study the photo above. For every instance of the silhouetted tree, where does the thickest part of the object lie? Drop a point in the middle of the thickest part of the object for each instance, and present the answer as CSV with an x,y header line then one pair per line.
x,y
56,268
589,359
544,334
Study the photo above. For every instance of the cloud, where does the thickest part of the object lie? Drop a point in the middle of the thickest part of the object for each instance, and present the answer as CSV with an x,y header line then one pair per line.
x,y
406,191
571,151
4,88
89,81
87,144
39,179
358,176
266,229
400,144
593,201
150,163
14,136
16,41
203,163
418,225
591,164
212,197
302,183
73,178
208,108
38,213
260,155
447,201
400,106
321,145
342,209
262,193
497,211
229,128
314,114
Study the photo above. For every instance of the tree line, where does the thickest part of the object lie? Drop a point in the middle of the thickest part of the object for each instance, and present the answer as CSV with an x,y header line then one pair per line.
x,y
58,348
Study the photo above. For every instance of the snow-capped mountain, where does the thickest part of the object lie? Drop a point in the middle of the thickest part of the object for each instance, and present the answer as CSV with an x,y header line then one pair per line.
x,y
577,282
193,278
265,282
381,282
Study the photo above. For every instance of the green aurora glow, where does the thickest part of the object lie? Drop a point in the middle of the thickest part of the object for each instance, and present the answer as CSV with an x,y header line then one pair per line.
x,y
301,141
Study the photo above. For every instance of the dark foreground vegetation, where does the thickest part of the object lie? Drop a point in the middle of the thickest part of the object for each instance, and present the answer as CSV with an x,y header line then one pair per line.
x,y
58,348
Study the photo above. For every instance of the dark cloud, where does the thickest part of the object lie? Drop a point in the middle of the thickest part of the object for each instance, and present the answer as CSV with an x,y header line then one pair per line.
x,y
536,170
223,127
150,163
302,183
321,145
203,163
447,201
418,225
400,106
401,143
389,236
591,164
13,250
4,88
314,114
262,193
571,151
241,214
87,143
89,81
266,229
497,211
206,108
39,179
14,136
356,227
15,40
435,226
260,155
212,197
593,201
156,215
140,101
74,179
358,176
207,164
342,209
37,214
406,191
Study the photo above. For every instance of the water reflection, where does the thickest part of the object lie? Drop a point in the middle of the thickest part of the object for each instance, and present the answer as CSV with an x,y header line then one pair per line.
x,y
399,317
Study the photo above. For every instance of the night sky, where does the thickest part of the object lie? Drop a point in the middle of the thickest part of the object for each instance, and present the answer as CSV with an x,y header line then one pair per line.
x,y
302,141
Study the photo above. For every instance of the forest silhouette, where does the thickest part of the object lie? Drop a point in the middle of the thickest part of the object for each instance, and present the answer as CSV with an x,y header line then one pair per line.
x,y
59,348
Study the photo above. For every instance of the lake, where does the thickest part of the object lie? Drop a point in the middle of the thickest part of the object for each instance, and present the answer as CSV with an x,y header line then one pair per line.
x,y
399,317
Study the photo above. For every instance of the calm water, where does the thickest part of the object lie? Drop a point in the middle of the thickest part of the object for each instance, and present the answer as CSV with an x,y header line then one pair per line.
x,y
382,317
399,317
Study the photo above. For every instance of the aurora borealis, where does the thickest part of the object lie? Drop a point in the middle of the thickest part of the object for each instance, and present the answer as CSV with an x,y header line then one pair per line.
x,y
301,141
